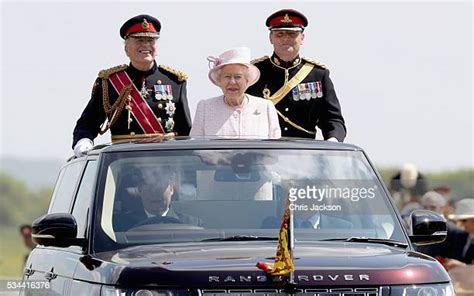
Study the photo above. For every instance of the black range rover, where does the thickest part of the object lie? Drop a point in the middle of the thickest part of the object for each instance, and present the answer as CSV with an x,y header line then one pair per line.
x,y
187,216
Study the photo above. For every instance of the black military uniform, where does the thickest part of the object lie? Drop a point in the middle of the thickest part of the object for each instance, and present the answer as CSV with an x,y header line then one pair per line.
x,y
312,101
172,112
162,88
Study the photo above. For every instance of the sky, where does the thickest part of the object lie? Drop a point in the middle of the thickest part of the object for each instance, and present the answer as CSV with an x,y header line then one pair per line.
x,y
402,70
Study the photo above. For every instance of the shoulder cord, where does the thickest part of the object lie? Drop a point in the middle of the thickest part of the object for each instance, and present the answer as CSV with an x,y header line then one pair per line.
x,y
117,108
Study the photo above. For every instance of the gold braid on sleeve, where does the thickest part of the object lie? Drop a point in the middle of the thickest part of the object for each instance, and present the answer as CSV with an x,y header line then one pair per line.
x,y
113,111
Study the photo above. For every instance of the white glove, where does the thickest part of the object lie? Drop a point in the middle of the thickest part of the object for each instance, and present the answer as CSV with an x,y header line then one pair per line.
x,y
332,139
83,146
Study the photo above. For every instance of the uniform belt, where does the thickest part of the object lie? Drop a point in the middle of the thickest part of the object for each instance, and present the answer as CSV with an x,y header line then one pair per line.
x,y
131,137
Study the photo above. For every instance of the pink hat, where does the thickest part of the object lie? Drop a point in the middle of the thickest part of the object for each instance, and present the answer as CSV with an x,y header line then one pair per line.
x,y
238,55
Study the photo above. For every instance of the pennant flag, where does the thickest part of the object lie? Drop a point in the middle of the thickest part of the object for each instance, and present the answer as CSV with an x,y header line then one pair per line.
x,y
283,260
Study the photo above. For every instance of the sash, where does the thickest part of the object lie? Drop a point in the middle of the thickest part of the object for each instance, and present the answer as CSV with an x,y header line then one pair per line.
x,y
140,110
287,87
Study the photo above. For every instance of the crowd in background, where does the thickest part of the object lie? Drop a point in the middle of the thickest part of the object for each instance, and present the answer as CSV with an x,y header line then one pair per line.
x,y
410,192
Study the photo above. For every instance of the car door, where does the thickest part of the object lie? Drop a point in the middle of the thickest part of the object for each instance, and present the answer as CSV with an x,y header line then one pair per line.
x,y
55,265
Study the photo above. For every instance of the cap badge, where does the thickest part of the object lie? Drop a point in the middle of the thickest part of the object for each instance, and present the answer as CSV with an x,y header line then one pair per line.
x,y
145,24
286,19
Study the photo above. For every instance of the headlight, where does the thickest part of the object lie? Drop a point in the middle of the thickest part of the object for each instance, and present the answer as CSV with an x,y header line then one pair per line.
x,y
114,291
423,290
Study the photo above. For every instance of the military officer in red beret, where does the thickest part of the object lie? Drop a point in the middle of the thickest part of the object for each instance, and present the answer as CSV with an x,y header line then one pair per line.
x,y
300,87
138,100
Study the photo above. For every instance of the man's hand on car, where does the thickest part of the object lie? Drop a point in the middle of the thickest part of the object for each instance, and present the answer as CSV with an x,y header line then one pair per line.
x,y
83,146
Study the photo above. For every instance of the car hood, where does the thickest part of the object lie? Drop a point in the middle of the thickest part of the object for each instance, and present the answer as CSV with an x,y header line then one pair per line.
x,y
233,265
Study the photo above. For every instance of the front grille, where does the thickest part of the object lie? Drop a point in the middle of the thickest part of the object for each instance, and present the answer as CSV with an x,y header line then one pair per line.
x,y
298,292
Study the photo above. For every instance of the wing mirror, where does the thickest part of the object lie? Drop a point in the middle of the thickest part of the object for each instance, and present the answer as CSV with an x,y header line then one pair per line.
x,y
59,230
427,228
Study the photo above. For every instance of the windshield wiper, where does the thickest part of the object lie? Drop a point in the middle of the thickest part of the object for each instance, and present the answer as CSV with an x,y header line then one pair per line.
x,y
241,238
362,239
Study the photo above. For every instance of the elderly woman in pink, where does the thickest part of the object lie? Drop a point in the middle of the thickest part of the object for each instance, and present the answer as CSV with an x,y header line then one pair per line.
x,y
235,113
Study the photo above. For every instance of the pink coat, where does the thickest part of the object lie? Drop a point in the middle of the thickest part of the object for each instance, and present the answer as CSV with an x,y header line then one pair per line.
x,y
256,119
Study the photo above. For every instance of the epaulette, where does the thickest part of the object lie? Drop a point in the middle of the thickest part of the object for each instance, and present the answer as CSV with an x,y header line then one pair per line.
x,y
104,74
259,60
180,75
314,62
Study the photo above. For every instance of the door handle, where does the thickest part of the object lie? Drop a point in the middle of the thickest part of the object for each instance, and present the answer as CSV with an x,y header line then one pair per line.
x,y
50,275
28,271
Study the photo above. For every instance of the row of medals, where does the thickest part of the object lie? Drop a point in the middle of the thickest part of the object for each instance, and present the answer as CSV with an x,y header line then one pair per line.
x,y
163,92
307,91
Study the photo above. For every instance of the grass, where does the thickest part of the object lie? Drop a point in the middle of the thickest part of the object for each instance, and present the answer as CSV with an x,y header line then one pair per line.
x,y
12,252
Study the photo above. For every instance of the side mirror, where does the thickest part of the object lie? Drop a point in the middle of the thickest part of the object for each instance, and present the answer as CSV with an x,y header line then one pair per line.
x,y
58,230
427,228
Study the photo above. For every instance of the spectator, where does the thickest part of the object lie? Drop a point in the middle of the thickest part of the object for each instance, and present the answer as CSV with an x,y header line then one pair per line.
x,y
453,246
446,192
25,231
461,271
464,216
407,186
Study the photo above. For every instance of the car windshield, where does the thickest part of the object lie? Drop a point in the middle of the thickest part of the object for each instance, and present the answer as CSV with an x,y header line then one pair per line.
x,y
149,197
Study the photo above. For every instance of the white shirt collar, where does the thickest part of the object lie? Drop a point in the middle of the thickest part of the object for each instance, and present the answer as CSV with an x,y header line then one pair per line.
x,y
151,215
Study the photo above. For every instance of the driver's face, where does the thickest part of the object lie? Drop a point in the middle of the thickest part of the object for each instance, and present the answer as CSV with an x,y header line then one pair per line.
x,y
156,197
157,191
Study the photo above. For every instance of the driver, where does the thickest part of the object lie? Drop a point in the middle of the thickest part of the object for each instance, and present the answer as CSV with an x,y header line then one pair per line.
x,y
156,193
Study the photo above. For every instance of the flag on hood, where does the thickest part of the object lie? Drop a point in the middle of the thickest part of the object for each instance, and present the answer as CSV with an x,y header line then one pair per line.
x,y
284,258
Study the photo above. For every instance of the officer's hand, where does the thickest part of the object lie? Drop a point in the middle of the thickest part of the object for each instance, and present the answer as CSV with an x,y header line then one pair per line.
x,y
332,139
82,147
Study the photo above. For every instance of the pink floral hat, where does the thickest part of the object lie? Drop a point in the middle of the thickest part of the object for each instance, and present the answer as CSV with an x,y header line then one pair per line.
x,y
238,55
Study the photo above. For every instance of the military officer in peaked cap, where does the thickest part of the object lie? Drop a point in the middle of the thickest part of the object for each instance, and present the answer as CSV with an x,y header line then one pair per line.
x,y
139,100
299,87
